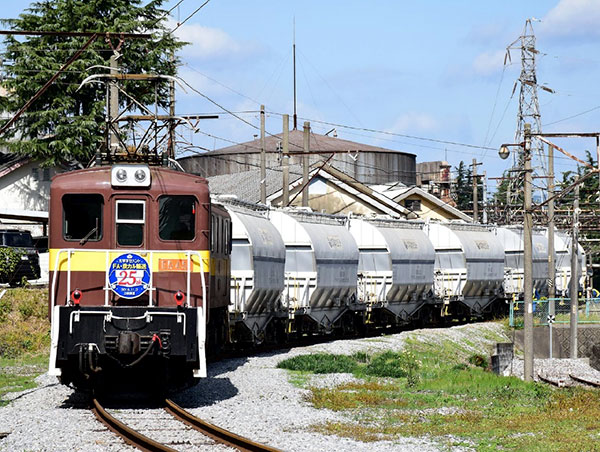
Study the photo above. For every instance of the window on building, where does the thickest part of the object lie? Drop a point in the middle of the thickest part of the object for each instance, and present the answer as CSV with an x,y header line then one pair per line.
x,y
177,217
82,217
46,174
130,219
35,174
413,205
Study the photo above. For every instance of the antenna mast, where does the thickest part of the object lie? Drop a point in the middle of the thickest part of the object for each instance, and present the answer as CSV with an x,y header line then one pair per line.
x,y
294,53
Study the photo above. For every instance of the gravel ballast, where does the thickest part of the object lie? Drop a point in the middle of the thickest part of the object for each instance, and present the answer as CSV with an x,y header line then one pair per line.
x,y
249,396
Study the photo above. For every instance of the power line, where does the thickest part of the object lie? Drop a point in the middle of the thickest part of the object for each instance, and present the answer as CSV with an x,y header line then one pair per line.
x,y
189,17
414,137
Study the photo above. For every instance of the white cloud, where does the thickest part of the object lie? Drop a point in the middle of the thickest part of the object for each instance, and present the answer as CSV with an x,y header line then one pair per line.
x,y
206,42
573,18
414,122
488,63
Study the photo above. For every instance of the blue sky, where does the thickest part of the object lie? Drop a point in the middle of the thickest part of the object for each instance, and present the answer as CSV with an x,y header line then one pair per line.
x,y
432,69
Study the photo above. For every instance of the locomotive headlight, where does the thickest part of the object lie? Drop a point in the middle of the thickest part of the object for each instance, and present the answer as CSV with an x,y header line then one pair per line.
x,y
121,175
140,176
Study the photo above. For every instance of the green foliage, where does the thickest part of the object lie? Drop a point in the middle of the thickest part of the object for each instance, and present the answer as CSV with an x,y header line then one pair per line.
x,y
9,259
67,123
320,363
388,364
24,326
457,403
395,365
462,192
479,361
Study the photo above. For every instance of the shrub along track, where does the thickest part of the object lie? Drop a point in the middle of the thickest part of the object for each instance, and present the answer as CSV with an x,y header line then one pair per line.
x,y
142,442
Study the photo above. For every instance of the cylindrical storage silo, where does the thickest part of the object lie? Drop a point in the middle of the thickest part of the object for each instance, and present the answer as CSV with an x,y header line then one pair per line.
x,y
321,265
395,270
469,264
257,268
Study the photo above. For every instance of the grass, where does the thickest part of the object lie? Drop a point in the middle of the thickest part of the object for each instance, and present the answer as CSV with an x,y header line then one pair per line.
x,y
24,326
455,400
19,374
24,339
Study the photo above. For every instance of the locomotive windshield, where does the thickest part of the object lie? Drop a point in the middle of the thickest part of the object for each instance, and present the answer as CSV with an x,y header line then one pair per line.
x,y
176,217
82,217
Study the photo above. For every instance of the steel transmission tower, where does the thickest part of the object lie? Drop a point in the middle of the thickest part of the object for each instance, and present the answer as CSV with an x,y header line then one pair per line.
x,y
529,112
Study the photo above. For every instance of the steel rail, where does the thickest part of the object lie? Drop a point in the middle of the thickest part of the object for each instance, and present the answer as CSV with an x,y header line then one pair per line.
x,y
580,379
216,433
129,435
559,382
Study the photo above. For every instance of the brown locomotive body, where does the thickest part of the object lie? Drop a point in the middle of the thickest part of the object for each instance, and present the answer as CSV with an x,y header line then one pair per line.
x,y
139,272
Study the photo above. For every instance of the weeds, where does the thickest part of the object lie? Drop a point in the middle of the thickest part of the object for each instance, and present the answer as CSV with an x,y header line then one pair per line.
x,y
24,327
457,401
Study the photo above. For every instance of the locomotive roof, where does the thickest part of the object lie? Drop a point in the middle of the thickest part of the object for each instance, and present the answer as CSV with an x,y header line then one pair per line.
x,y
98,178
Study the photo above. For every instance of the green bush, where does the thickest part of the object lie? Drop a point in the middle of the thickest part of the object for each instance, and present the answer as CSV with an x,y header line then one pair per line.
x,y
395,365
479,361
320,363
9,259
24,326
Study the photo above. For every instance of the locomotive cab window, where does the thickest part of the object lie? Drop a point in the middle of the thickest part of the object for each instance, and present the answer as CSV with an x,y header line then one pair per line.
x,y
82,217
177,217
130,219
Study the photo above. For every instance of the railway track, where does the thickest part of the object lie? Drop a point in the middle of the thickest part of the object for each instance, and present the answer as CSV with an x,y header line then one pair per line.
x,y
567,381
216,434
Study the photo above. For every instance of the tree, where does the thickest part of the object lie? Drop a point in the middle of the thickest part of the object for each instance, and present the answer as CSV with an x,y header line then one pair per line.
x,y
67,123
463,187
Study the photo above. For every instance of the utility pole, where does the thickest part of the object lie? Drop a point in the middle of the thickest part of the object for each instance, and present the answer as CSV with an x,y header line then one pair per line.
x,y
574,286
528,258
551,267
172,114
113,105
263,158
305,162
285,161
485,198
475,192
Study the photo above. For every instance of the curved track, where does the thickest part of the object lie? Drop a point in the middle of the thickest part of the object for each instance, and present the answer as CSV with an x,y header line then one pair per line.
x,y
144,443
129,435
218,434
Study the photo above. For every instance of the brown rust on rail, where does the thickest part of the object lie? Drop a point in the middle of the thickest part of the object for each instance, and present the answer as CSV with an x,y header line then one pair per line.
x,y
218,434
129,435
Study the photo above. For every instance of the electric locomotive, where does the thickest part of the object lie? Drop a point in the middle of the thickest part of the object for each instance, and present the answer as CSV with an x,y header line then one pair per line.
x,y
139,265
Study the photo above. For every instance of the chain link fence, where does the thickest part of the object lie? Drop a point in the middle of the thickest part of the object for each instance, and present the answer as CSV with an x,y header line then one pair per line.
x,y
588,311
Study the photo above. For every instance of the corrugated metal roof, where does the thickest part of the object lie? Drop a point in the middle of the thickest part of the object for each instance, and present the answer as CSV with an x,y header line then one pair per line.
x,y
318,143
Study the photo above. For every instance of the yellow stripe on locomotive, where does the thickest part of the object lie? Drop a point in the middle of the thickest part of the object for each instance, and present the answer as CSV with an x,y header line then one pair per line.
x,y
96,260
